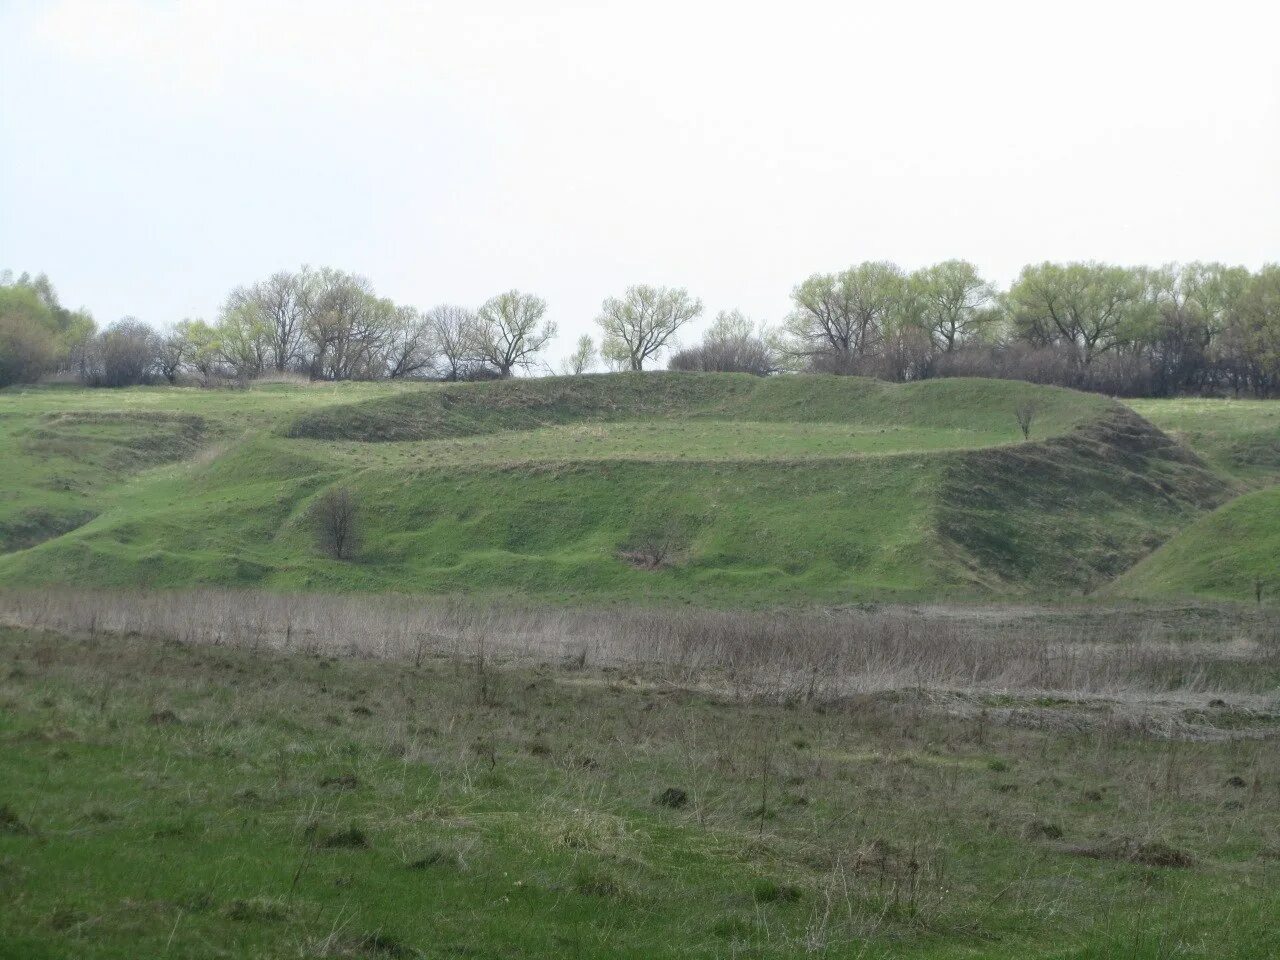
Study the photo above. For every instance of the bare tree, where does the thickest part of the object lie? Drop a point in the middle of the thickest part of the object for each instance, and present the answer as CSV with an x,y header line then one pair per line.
x,y
173,352
347,325
1025,413
840,318
336,517
582,359
281,303
123,355
656,544
510,330
453,330
643,321
409,350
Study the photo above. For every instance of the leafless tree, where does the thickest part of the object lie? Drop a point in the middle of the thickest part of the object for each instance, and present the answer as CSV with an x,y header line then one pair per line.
x,y
510,331
733,344
123,355
409,349
282,303
655,545
643,321
336,517
173,352
1025,412
453,331
347,325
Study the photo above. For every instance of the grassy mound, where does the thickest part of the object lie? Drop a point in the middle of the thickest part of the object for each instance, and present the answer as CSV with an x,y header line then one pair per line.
x,y
1229,553
983,408
1225,554
1075,511
716,488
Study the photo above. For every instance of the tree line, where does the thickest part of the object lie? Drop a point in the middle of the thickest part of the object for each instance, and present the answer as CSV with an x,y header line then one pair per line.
x,y
1136,331
1191,328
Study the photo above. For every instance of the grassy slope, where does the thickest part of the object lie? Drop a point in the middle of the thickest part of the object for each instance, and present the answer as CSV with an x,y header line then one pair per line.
x,y
534,486
163,800
1221,555
984,407
65,449
1225,553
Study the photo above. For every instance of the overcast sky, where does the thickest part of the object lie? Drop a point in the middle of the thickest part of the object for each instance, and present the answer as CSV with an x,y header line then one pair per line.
x,y
153,155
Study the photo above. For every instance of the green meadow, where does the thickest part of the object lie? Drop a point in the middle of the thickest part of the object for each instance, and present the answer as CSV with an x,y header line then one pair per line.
x,y
163,799
889,679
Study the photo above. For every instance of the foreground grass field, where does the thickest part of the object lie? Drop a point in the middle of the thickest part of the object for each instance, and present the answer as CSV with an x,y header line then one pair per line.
x,y
160,799
763,491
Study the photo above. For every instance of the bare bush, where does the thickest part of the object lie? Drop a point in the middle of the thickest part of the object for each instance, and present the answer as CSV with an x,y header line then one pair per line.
x,y
726,356
1025,413
125,354
655,545
335,515
734,343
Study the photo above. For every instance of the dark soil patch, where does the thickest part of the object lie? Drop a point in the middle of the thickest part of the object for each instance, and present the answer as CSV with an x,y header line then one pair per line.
x,y
10,822
672,797
1126,850
352,838
341,781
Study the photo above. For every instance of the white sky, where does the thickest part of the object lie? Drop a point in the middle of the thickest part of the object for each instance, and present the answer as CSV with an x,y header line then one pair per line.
x,y
153,155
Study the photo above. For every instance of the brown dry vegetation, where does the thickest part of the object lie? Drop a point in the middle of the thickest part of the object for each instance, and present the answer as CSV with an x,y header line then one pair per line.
x,y
1129,653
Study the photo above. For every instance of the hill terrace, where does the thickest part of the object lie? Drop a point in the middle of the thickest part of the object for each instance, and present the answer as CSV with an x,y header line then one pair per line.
x,y
773,490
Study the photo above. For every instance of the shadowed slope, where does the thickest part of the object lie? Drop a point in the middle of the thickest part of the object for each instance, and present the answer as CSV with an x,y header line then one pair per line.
x,y
1074,511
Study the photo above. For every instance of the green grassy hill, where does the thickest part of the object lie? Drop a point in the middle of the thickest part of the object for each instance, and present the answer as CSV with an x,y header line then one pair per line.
x,y
765,490
1224,554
